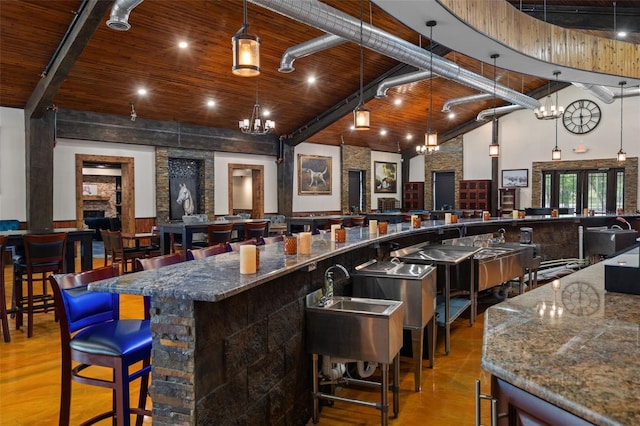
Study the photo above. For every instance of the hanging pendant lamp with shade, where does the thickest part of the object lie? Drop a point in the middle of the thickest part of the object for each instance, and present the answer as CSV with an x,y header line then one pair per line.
x,y
556,154
361,115
246,50
621,156
431,136
494,148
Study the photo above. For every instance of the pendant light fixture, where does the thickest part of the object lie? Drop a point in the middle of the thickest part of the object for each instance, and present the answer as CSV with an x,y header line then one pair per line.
x,y
621,154
556,154
361,115
549,110
431,136
494,148
246,50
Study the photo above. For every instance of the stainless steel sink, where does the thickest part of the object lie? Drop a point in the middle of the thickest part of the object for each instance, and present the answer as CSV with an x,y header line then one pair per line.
x,y
355,328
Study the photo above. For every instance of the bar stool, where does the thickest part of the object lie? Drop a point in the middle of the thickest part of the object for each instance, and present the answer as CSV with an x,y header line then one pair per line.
x,y
207,251
93,335
3,297
43,254
357,221
219,233
255,230
106,241
120,253
333,221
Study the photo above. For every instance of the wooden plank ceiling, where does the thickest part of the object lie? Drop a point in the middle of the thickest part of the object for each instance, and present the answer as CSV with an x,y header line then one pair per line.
x,y
181,81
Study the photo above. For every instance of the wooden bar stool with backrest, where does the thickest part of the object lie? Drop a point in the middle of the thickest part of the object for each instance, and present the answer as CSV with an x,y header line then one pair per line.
x,y
219,233
108,253
3,297
93,335
193,254
43,255
158,261
122,254
357,221
333,221
254,230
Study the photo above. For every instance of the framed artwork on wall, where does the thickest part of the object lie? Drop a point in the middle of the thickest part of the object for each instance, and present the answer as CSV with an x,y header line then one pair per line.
x,y
385,177
517,177
314,175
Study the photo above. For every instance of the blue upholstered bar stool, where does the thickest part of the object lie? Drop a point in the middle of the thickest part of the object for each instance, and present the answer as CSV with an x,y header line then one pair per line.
x,y
92,334
43,255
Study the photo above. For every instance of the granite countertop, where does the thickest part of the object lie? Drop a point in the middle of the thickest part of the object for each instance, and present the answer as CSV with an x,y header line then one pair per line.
x,y
583,356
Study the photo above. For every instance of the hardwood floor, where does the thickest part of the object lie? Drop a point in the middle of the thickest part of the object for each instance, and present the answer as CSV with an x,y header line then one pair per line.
x,y
30,382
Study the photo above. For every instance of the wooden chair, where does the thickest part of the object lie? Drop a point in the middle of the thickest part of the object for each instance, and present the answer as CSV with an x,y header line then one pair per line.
x,y
207,251
333,221
93,335
3,297
219,233
255,230
122,254
153,248
107,246
158,261
43,255
357,221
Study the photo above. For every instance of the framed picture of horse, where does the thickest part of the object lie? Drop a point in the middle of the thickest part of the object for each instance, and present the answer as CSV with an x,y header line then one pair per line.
x,y
386,180
314,175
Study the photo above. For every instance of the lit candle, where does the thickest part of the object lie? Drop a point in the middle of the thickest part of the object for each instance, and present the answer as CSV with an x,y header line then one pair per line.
x,y
514,214
447,218
333,231
305,243
248,259
373,226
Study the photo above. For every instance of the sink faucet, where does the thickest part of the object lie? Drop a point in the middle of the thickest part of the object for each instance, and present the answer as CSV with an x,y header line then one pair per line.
x,y
328,279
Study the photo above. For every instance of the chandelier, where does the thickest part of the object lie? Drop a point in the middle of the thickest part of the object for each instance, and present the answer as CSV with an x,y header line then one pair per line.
x,y
256,125
549,110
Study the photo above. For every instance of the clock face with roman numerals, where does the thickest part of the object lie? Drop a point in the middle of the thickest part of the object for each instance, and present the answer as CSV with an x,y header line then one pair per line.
x,y
581,116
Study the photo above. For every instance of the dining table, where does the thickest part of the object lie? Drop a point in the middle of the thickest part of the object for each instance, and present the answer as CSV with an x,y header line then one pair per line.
x,y
311,223
137,237
186,231
83,236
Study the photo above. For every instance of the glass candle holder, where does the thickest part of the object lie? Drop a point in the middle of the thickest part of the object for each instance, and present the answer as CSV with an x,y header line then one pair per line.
x,y
290,245
382,228
341,235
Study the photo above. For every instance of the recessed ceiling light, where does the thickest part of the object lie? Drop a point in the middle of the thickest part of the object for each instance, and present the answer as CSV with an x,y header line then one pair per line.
x,y
266,113
311,79
352,127
398,101
409,136
211,103
383,132
142,91
183,45
622,34
452,115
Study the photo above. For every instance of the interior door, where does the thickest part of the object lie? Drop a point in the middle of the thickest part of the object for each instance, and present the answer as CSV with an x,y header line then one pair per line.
x,y
444,194
357,189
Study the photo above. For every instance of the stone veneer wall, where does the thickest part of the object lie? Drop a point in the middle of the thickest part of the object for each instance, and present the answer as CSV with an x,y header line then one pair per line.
x,y
162,179
630,177
242,360
355,158
447,159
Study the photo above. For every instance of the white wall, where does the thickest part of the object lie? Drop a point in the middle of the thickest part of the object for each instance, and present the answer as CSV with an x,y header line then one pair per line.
x,y
12,165
221,176
64,177
524,139
387,157
416,169
313,203
242,192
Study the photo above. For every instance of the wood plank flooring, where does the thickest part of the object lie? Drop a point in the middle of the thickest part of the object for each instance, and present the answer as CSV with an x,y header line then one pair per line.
x,y
30,382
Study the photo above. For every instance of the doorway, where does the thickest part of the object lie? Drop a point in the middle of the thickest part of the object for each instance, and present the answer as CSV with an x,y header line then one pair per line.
x,y
357,190
122,191
444,194
253,177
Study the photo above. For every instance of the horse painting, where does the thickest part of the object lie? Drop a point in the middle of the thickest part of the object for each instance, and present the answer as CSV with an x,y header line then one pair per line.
x,y
184,198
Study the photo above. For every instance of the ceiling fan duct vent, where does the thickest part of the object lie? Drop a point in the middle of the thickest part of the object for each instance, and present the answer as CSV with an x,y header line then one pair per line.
x,y
308,48
119,18
328,19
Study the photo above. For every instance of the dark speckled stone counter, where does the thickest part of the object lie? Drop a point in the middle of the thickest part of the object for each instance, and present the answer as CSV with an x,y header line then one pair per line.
x,y
585,358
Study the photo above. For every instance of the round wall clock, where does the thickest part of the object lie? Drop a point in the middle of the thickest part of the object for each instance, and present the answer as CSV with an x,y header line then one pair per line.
x,y
581,116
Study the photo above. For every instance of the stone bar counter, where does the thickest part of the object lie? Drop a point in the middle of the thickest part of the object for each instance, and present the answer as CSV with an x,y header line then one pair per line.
x,y
567,353
229,348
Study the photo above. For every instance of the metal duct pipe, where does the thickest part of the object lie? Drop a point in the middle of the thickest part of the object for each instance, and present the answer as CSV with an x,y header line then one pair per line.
x,y
497,111
119,18
465,99
628,93
307,48
600,92
407,78
333,21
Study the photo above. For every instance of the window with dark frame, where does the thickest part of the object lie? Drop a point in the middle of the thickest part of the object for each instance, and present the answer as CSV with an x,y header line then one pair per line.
x,y
601,190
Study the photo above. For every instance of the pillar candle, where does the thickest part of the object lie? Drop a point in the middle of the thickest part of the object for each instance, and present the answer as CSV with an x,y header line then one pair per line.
x,y
248,259
305,243
333,231
585,212
447,218
373,226
514,214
